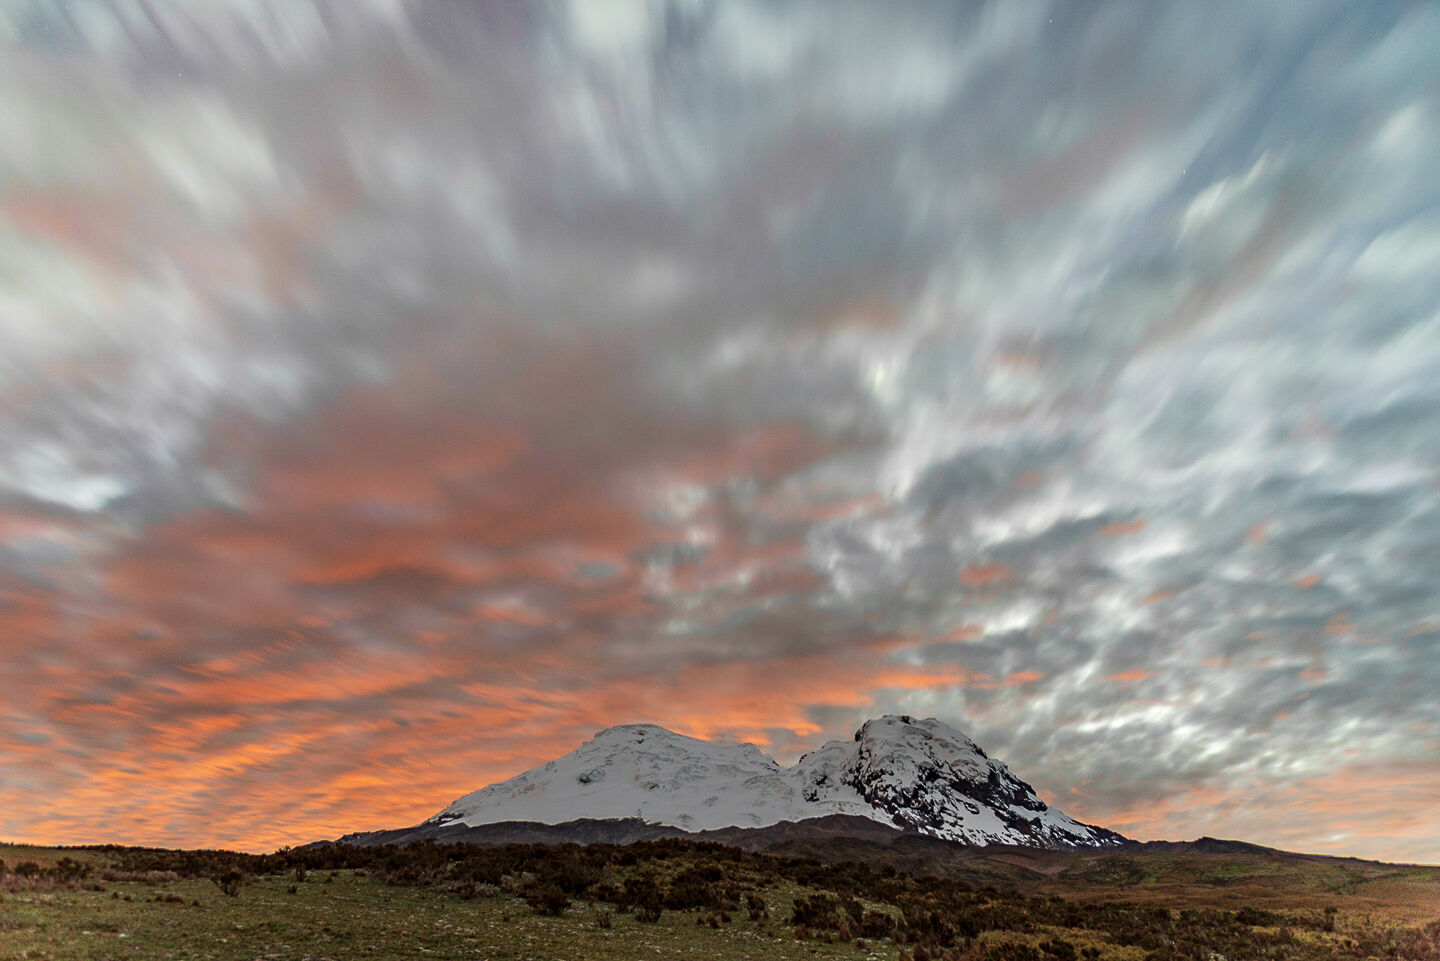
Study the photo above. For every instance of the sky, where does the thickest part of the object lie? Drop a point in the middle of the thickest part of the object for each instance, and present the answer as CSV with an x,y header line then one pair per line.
x,y
393,394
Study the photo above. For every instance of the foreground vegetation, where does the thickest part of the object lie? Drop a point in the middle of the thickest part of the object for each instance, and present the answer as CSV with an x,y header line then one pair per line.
x,y
678,899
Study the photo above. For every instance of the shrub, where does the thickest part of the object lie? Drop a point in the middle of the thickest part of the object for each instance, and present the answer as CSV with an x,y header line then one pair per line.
x,y
877,924
68,870
229,883
1060,950
548,898
569,871
935,929
642,895
466,890
821,911
606,891
694,887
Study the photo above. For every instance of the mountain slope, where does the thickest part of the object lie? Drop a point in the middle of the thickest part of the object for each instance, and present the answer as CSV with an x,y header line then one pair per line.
x,y
918,775
925,776
643,771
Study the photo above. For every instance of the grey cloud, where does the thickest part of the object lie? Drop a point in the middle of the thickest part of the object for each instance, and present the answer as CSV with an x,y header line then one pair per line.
x,y
1129,313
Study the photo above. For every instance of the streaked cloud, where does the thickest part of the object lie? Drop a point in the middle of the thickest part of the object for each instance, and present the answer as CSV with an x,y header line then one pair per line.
x,y
393,393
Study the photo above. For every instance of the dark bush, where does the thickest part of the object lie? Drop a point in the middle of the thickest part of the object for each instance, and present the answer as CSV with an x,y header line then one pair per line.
x,y
1012,951
642,895
877,924
548,898
702,886
607,891
1060,950
569,871
465,890
821,911
929,928
68,870
229,883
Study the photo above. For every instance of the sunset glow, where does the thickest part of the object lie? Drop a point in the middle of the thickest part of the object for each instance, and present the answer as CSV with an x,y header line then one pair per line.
x,y
393,394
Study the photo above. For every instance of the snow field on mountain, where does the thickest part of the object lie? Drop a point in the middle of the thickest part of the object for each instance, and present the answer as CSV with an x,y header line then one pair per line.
x,y
920,775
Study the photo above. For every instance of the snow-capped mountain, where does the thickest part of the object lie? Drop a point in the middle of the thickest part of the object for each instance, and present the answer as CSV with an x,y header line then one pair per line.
x,y
919,775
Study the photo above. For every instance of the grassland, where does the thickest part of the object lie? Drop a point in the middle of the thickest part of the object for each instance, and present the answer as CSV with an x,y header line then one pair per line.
x,y
356,917
453,901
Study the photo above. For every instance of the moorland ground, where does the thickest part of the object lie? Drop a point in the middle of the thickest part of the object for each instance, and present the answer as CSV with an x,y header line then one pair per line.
x,y
682,899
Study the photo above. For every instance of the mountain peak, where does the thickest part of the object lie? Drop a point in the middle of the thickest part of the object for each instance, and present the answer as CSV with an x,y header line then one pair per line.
x,y
920,775
653,736
635,732
904,726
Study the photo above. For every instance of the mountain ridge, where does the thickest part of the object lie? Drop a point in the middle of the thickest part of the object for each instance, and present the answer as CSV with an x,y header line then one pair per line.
x,y
918,776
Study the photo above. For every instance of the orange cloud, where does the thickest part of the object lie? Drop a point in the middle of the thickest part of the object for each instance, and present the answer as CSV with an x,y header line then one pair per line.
x,y
271,745
1340,624
1364,810
984,574
1124,528
405,579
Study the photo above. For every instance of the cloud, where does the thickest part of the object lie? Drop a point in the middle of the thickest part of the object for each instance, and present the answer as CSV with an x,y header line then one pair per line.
x,y
393,393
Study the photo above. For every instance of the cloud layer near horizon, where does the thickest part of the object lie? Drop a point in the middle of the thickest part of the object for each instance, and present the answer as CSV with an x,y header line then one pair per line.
x,y
393,394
